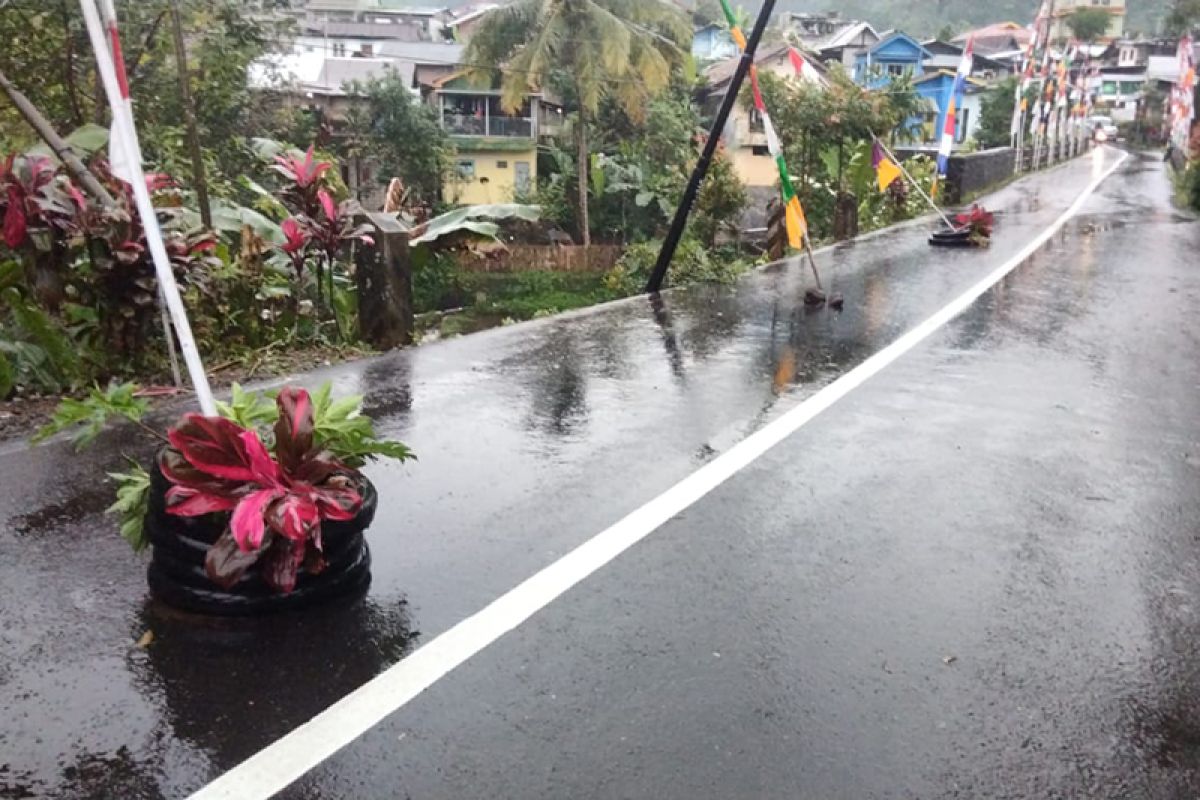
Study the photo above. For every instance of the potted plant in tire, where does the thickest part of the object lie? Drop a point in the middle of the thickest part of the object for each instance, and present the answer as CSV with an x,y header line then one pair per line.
x,y
259,510
971,229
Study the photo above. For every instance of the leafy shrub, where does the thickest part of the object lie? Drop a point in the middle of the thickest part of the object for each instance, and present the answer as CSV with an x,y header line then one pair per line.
x,y
692,264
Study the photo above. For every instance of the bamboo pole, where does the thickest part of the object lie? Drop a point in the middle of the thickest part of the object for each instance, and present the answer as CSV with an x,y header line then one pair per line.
x,y
56,143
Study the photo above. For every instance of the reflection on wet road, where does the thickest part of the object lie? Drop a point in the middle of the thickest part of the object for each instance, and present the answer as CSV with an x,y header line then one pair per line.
x,y
533,438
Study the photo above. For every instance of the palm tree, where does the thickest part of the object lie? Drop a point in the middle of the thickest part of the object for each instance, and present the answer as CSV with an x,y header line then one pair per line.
x,y
623,49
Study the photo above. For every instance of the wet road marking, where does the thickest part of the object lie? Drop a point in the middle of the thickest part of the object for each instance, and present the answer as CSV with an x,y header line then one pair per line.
x,y
281,763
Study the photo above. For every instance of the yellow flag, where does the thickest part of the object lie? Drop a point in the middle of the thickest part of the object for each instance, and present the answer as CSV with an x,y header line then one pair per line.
x,y
797,225
888,173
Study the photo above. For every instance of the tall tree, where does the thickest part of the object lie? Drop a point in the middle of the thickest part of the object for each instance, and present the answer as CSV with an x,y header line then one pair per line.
x,y
399,131
1089,24
619,48
1184,16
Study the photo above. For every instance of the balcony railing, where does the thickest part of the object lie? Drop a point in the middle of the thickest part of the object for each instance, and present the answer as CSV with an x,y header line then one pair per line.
x,y
457,124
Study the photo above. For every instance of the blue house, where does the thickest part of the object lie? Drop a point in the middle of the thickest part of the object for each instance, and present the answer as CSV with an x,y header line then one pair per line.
x,y
893,55
713,43
936,87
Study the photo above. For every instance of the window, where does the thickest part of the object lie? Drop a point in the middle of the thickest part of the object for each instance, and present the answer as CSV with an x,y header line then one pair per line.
x,y
466,169
367,50
339,49
896,70
964,124
501,165
760,150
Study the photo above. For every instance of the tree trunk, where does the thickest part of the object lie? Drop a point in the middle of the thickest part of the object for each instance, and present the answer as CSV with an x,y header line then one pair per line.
x,y
585,230
199,181
61,149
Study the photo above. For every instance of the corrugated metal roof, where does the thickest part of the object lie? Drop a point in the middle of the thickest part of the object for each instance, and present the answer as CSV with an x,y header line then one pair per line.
x,y
422,52
337,72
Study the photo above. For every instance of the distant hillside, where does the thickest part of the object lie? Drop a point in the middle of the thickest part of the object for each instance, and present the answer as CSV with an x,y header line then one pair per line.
x,y
924,17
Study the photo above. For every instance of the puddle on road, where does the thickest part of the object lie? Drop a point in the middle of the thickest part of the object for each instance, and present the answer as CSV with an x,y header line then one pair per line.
x,y
66,512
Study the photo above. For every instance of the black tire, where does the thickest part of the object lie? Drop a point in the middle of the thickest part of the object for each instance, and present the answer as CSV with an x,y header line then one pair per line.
x,y
352,582
180,546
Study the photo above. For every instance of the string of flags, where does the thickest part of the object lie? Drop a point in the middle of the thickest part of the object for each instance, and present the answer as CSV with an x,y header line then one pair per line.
x,y
1182,108
946,148
888,169
796,222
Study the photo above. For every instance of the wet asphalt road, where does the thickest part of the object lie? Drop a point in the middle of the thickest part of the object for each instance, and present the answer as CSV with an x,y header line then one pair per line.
x,y
974,577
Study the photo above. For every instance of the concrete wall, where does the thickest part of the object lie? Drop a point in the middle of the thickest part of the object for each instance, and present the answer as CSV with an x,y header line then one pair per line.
x,y
971,173
754,171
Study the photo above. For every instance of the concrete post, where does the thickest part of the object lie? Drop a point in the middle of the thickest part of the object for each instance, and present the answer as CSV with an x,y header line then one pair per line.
x,y
383,275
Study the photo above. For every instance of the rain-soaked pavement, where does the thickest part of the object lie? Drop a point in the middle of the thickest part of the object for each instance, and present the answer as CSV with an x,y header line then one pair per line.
x,y
976,576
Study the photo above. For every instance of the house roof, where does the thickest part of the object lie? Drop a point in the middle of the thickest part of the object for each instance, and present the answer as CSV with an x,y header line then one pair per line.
x,y
846,36
996,37
721,73
898,36
337,72
938,48
386,7
471,14
435,53
374,31
937,75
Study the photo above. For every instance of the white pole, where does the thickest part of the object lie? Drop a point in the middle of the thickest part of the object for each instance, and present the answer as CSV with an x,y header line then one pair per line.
x,y
149,218
108,15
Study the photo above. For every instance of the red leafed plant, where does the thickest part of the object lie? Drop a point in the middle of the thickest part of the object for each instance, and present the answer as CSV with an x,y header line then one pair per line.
x,y
979,221
277,502
303,174
295,245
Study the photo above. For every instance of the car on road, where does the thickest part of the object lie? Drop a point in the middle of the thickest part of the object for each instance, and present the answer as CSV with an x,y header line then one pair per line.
x,y
1103,129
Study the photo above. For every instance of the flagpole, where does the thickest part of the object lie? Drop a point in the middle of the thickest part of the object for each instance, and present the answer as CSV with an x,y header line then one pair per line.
x,y
914,183
123,120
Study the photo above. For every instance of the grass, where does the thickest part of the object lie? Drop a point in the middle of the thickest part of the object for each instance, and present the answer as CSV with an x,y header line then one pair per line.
x,y
490,299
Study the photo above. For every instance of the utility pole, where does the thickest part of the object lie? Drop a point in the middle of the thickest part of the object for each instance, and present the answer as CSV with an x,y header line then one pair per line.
x,y
189,118
710,148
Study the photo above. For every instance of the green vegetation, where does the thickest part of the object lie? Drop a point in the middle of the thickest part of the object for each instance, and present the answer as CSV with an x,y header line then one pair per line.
x,y
401,134
1089,24
622,50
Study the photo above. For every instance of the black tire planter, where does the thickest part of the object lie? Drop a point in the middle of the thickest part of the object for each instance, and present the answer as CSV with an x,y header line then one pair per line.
x,y
180,544
958,238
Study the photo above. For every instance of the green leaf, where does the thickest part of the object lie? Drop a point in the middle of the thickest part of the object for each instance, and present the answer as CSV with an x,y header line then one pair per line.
x,y
89,138
267,149
251,410
63,359
467,218
8,376
133,502
341,428
92,414
11,274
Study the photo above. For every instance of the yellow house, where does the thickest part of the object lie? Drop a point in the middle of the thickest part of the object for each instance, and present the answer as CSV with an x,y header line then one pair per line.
x,y
744,138
495,153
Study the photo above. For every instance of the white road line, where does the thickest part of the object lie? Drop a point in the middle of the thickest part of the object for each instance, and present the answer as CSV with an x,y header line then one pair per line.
x,y
280,764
